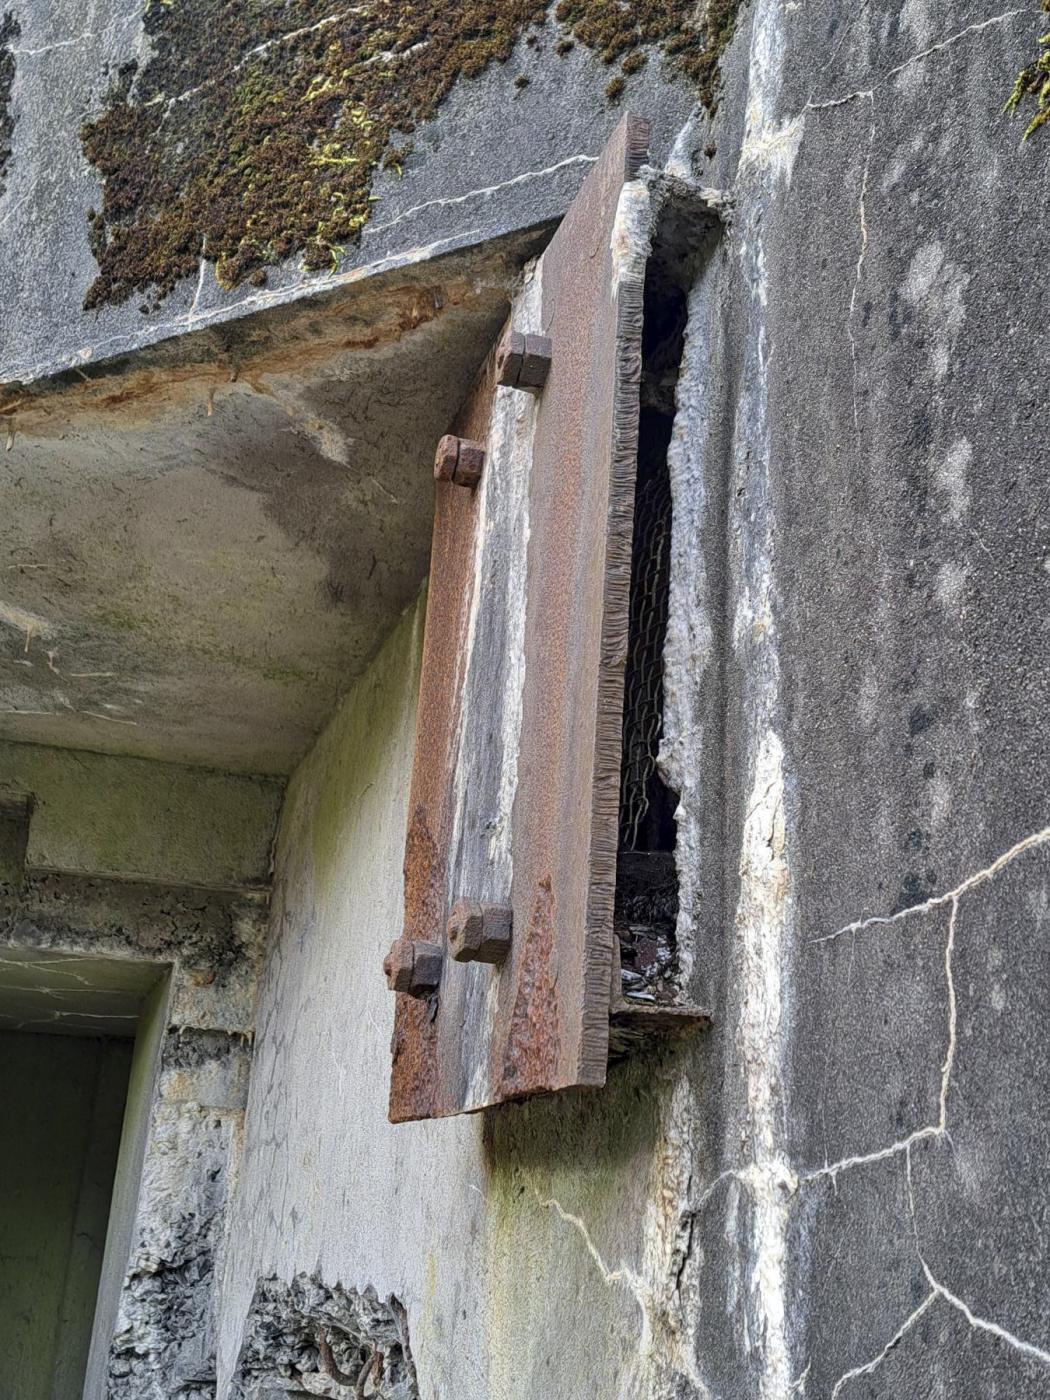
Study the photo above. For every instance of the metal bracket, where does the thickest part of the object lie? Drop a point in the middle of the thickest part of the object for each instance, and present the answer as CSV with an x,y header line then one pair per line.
x,y
511,852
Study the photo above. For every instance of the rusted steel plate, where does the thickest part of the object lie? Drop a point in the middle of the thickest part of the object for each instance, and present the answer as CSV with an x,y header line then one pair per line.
x,y
516,779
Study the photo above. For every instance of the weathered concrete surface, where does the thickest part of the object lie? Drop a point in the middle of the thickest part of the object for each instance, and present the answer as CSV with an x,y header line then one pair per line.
x,y
205,542
858,417
92,814
840,1192
69,994
472,177
199,558
201,951
536,1253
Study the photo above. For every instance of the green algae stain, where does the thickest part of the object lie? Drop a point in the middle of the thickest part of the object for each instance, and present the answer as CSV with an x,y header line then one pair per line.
x,y
255,129
1033,85
566,1175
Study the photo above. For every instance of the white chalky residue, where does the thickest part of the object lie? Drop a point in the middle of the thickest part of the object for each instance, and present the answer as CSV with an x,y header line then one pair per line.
x,y
936,287
951,473
761,929
511,435
629,241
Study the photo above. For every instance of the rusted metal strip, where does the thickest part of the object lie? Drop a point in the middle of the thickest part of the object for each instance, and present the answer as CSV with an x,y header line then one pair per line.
x,y
539,1020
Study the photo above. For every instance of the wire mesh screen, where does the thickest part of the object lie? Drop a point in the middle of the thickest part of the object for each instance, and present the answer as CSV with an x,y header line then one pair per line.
x,y
640,784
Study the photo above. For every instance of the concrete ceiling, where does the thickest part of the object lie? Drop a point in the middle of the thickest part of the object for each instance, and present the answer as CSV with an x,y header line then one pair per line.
x,y
63,994
202,545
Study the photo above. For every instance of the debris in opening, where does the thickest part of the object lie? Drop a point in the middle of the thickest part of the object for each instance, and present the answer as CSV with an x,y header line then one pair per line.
x,y
309,1334
646,906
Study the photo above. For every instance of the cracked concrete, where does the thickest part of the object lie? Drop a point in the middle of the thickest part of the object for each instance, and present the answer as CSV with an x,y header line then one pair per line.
x,y
832,1194
839,1191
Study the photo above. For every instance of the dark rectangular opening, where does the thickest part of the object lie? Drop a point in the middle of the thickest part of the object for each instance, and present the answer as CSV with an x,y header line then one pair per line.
x,y
646,905
67,1043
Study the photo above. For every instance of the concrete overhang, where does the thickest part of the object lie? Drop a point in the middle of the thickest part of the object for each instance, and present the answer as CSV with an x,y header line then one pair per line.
x,y
217,499
68,994
204,542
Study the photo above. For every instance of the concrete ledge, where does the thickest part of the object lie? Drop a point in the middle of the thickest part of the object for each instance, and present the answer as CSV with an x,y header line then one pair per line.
x,y
132,819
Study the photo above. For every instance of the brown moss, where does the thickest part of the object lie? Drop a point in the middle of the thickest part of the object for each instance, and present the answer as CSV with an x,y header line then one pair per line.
x,y
1033,85
255,130
9,31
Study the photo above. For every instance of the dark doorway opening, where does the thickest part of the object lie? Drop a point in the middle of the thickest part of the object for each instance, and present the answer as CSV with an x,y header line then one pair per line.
x,y
67,1043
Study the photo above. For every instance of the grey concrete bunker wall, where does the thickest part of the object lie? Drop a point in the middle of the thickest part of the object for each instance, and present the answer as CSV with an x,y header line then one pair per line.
x,y
840,1192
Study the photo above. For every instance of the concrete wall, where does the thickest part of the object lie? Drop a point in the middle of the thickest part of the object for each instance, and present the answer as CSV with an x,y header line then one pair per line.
x,y
63,1106
533,1250
153,1336
840,1191
94,814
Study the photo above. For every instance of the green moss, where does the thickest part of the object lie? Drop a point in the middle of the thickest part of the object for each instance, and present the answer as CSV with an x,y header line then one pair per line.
x,y
1033,85
254,131
9,31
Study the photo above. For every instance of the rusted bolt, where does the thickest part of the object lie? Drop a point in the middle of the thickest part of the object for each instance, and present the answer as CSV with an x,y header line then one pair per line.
x,y
413,966
523,361
478,932
459,460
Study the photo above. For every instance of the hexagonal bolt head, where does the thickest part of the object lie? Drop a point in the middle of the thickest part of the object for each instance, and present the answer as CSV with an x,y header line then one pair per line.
x,y
459,460
523,361
478,932
413,966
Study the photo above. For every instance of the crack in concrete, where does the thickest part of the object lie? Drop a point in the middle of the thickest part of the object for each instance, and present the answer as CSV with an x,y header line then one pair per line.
x,y
954,39
869,1366
932,1130
445,203
979,877
868,92
859,273
981,1324
653,1318
89,36
247,57
951,898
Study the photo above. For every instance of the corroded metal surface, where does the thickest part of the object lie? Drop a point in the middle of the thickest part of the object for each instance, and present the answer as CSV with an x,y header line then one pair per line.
x,y
550,732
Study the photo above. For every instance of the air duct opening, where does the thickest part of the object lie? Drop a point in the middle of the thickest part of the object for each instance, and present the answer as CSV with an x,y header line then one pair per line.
x,y
646,907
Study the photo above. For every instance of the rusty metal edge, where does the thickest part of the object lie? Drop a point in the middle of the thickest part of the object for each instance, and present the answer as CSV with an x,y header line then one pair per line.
x,y
608,741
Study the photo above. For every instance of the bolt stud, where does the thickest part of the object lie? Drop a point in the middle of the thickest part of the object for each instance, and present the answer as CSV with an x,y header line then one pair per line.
x,y
459,460
523,361
478,932
413,966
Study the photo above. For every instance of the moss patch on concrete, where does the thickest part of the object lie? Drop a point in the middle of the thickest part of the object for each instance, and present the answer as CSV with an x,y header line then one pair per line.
x,y
1033,85
9,31
254,131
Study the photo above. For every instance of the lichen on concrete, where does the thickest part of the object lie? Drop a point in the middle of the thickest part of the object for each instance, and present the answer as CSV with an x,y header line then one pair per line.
x,y
262,143
1033,85
9,31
